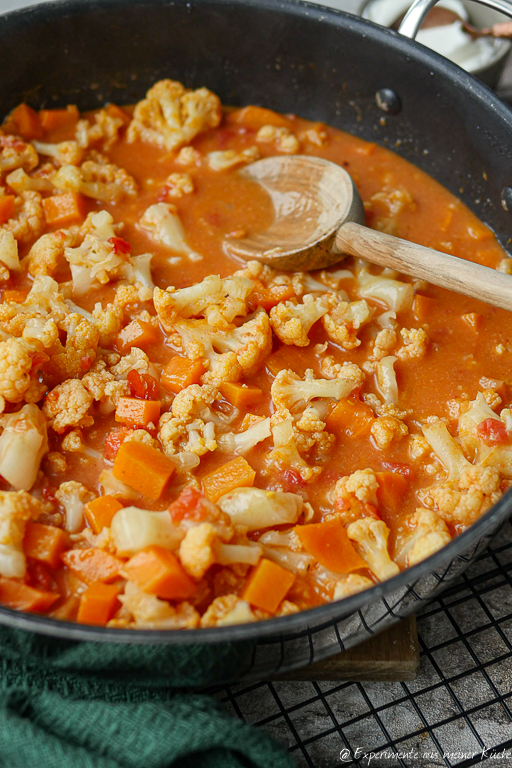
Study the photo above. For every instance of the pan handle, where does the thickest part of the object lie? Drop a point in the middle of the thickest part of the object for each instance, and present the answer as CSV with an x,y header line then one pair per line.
x,y
416,14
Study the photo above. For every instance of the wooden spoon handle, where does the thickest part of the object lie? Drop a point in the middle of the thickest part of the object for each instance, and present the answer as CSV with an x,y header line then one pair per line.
x,y
439,268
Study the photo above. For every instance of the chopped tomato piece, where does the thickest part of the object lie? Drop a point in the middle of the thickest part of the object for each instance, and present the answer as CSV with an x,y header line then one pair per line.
x,y
113,441
143,386
186,506
120,246
493,432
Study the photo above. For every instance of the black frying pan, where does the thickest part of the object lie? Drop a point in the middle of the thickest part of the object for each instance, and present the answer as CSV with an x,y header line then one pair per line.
x,y
320,64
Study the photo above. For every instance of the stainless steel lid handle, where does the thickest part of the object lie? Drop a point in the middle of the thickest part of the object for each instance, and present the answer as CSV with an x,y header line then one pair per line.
x,y
418,11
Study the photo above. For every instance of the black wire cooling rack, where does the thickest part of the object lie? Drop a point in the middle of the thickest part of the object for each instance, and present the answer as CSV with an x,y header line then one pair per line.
x,y
458,712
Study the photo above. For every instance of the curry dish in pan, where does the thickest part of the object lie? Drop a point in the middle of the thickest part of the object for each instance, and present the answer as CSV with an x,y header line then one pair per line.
x,y
190,441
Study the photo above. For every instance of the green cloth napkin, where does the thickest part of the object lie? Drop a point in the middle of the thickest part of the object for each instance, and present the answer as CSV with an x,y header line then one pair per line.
x,y
66,704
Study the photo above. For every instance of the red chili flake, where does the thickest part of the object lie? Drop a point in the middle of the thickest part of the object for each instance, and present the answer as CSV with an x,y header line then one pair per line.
x,y
113,441
143,386
162,195
400,469
493,432
187,506
120,246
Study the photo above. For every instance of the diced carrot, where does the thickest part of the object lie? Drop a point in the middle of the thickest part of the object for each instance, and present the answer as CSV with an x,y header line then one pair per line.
x,y
137,413
180,372
59,119
159,572
473,320
256,117
100,511
45,543
422,307
352,418
27,122
97,604
92,564
6,208
138,333
392,489
68,208
237,473
115,111
268,585
240,395
266,298
330,545
67,610
143,468
17,296
16,594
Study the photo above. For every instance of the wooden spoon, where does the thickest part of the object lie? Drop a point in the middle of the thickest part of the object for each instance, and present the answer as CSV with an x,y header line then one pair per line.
x,y
441,17
319,218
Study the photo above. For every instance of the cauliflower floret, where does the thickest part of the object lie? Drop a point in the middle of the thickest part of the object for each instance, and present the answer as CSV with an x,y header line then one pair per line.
x,y
197,549
229,158
73,497
67,405
218,300
192,400
141,436
100,180
425,534
290,392
9,259
65,153
384,342
283,138
446,449
355,496
108,320
292,322
371,541
351,585
15,153
29,220
79,353
418,447
47,253
392,200
396,295
347,371
242,442
182,435
385,429
136,360
387,384
344,319
73,442
254,508
56,463
16,361
149,612
477,412
461,503
239,351
285,453
108,123
16,509
96,260
227,610
171,116
162,222
23,443
188,156
20,182
179,184
415,342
